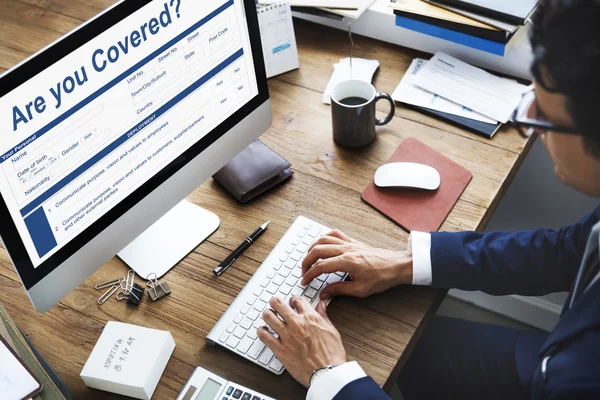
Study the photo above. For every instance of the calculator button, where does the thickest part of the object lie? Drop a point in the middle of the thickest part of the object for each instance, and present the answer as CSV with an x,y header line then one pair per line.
x,y
237,394
230,390
256,398
225,398
247,396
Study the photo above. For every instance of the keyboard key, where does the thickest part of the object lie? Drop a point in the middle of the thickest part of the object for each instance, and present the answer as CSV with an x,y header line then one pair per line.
x,y
333,278
253,314
277,267
340,274
278,280
224,337
251,300
256,349
297,272
233,342
247,323
266,297
314,231
307,224
323,277
302,233
291,280
245,309
289,249
231,327
284,256
276,365
296,241
270,275
252,333
265,282
307,240
259,305
237,394
301,286
272,288
316,284
266,356
239,332
310,293
230,390
302,248
258,290
297,291
296,255
238,318
245,345
285,289
285,272
247,396
290,264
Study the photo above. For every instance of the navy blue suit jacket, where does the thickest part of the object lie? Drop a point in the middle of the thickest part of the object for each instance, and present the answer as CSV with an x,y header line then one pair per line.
x,y
530,263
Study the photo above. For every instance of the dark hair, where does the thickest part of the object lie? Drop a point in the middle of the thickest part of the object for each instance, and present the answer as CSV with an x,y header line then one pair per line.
x,y
566,42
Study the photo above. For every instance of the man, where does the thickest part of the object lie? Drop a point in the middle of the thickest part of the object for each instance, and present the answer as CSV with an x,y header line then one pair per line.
x,y
460,359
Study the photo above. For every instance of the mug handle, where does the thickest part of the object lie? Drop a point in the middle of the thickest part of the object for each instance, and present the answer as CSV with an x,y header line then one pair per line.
x,y
386,120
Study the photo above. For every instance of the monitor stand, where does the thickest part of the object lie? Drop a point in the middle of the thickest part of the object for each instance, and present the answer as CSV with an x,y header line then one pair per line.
x,y
169,240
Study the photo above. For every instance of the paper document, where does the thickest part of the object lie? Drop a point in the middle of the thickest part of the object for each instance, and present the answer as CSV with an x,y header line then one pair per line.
x,y
353,14
16,383
472,87
345,4
408,93
362,70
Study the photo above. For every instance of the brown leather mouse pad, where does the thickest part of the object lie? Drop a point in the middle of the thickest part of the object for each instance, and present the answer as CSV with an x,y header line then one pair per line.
x,y
415,209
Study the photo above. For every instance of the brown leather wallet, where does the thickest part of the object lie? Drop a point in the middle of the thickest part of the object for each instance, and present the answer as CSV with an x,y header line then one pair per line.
x,y
254,171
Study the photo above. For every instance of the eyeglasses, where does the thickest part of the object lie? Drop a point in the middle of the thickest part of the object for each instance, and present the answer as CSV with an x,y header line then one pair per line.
x,y
529,119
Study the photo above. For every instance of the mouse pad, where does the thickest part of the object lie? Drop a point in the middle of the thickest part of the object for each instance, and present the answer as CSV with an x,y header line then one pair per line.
x,y
415,209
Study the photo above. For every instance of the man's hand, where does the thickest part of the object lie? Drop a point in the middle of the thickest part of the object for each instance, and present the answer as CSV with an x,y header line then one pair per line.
x,y
307,340
372,270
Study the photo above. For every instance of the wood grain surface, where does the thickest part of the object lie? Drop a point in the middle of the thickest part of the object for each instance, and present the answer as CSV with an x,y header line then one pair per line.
x,y
326,187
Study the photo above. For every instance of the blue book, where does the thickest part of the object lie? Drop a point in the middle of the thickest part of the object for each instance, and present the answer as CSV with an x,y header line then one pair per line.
x,y
452,36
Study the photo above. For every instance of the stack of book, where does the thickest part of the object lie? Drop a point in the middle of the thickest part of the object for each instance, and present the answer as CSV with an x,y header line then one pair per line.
x,y
53,387
487,25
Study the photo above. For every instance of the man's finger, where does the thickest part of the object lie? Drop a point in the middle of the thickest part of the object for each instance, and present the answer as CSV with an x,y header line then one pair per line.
x,y
282,308
323,252
322,310
326,240
269,340
326,267
300,304
273,321
340,235
339,289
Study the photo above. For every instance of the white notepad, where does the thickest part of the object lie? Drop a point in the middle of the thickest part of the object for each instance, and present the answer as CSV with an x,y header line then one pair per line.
x,y
16,383
346,4
278,39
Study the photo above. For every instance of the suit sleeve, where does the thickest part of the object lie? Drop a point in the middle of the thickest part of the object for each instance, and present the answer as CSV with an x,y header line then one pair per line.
x,y
362,389
529,263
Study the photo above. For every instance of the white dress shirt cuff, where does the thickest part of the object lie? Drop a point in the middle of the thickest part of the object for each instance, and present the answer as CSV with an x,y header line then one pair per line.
x,y
420,245
328,385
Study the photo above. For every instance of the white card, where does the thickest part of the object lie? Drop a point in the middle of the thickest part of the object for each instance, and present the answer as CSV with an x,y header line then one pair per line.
x,y
408,93
362,70
472,87
15,381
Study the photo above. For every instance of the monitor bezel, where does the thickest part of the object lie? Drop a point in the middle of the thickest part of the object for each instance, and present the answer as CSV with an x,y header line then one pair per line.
x,y
20,74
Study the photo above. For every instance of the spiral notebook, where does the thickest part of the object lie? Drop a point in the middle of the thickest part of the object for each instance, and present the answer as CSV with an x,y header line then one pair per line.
x,y
278,38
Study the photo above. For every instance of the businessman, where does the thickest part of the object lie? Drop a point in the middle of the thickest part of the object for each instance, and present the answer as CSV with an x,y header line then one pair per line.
x,y
467,360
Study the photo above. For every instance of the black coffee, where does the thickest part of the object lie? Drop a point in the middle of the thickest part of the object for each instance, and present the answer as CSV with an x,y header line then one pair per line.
x,y
353,101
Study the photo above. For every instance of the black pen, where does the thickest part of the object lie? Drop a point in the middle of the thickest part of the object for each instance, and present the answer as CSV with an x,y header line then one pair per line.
x,y
222,267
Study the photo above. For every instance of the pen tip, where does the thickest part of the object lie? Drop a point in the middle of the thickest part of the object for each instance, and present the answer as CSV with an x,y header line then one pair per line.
x,y
264,226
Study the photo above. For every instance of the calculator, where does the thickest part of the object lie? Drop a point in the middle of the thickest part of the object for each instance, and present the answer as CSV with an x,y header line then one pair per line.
x,y
204,385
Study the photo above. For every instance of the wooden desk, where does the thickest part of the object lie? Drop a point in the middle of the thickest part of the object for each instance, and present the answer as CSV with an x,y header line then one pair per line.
x,y
326,187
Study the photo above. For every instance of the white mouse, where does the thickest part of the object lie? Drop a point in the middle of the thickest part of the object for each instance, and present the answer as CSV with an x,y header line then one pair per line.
x,y
407,175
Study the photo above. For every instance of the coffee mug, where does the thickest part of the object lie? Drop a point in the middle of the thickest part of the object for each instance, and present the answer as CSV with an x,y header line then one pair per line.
x,y
354,113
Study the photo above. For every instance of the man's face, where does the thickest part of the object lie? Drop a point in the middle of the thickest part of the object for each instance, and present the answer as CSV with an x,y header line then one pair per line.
x,y
573,165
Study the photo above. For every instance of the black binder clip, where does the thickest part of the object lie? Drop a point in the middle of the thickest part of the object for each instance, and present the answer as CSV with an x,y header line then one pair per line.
x,y
157,289
134,295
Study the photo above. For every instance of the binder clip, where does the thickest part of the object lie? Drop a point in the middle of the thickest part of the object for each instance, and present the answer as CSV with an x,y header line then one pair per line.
x,y
133,295
157,289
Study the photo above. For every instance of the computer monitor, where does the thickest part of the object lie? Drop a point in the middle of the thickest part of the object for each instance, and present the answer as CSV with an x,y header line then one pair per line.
x,y
107,129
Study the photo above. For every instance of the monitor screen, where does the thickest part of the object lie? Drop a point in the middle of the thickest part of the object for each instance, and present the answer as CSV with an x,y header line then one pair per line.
x,y
145,84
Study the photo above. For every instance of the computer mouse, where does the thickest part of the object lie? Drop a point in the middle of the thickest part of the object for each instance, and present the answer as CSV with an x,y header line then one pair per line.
x,y
407,175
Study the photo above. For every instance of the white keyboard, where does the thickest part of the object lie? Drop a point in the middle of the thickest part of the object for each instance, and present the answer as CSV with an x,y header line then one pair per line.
x,y
279,275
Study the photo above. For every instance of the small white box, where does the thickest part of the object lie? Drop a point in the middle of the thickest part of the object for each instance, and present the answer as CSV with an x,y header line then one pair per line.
x,y
128,360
